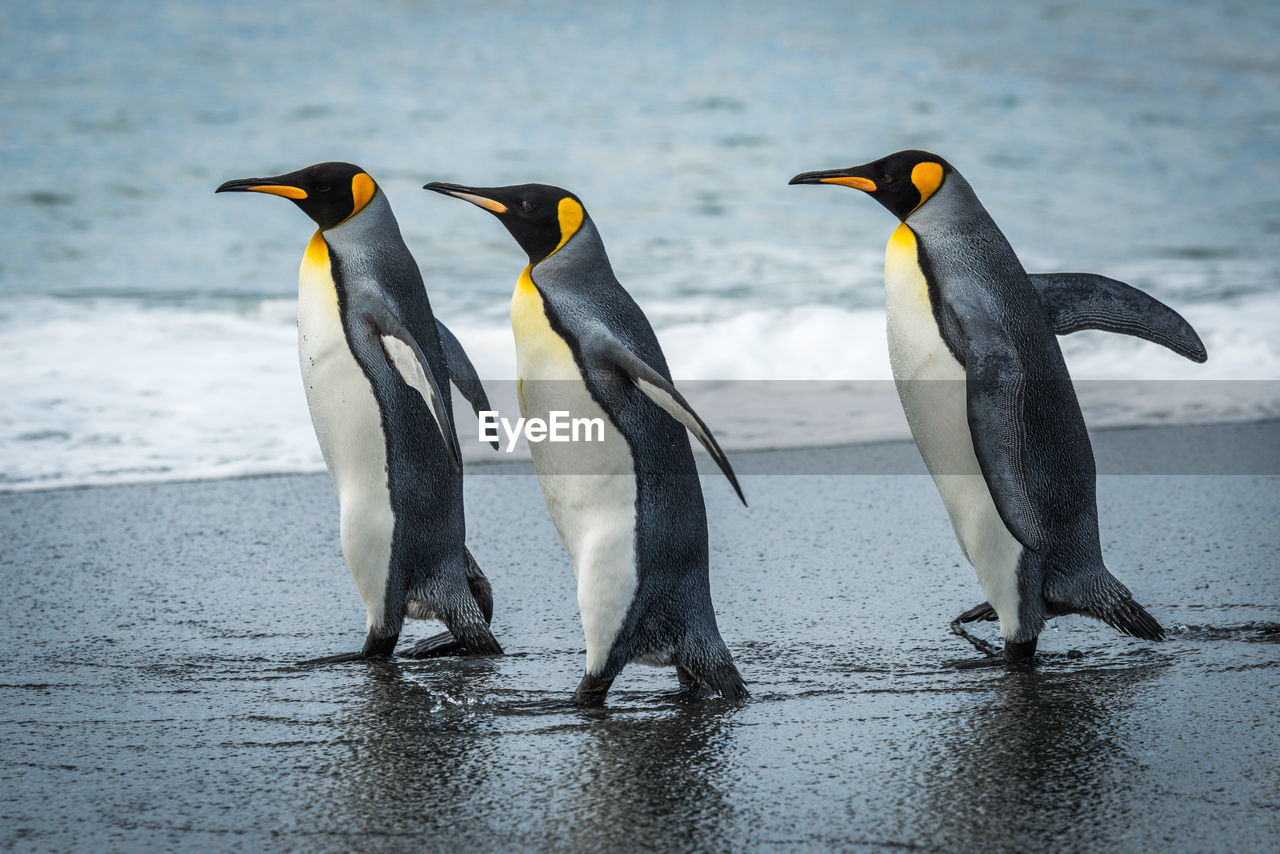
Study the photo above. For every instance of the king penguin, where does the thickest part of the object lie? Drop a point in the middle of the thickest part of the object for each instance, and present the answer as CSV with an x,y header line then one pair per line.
x,y
989,401
376,366
629,508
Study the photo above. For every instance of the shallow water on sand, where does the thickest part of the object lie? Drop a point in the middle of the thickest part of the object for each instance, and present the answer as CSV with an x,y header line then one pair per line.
x,y
150,696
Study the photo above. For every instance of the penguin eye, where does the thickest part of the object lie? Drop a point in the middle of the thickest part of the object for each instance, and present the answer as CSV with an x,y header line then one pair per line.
x,y
323,188
527,207
886,179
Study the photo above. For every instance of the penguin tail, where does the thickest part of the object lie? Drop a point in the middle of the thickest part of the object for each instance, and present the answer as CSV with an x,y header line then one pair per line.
x,y
477,638
1130,618
1101,595
727,682
464,620
716,671
479,585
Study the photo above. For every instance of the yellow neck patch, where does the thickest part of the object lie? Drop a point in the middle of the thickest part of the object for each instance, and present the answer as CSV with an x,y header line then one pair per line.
x,y
317,253
902,274
362,190
528,317
541,354
571,215
927,178
315,279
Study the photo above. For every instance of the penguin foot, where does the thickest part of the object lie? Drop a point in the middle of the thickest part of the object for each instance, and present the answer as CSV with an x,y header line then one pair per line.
x,y
985,647
1020,653
374,647
977,613
591,691
333,659
974,663
436,646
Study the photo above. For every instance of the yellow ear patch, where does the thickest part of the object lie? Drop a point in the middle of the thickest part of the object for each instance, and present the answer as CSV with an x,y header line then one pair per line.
x,y
927,178
280,190
362,190
571,215
864,184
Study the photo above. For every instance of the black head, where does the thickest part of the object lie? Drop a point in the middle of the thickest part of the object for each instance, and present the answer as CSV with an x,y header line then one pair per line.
x,y
901,182
540,217
329,193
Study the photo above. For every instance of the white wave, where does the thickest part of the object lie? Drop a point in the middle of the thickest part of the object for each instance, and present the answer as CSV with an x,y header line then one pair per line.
x,y
113,391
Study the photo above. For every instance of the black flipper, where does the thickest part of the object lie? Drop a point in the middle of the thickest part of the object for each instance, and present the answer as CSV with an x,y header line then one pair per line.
x,y
995,387
405,356
1075,301
463,373
658,389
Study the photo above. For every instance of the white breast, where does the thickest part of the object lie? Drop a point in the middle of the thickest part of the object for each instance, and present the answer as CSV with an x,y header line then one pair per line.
x,y
589,487
348,426
931,386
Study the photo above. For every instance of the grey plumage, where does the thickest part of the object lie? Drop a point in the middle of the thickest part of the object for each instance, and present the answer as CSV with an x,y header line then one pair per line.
x,y
996,326
1027,428
629,510
671,614
376,377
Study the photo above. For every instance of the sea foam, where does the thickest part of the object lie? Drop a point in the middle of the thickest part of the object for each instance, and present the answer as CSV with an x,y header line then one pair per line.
x,y
118,390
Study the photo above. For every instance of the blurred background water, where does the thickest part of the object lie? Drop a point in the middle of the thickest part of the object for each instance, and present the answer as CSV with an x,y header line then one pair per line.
x,y
147,327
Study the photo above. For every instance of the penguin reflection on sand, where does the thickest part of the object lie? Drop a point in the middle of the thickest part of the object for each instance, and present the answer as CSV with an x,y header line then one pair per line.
x,y
988,398
376,365
629,508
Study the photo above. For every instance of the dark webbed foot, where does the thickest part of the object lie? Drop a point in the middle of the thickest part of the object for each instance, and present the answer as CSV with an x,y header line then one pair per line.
x,y
1020,653
978,613
436,646
334,659
592,690
974,663
374,647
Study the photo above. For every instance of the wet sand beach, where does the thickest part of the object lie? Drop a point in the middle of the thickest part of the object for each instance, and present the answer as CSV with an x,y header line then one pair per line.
x,y
150,698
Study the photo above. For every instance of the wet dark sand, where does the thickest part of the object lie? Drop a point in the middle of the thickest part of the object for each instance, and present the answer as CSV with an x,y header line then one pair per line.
x,y
148,698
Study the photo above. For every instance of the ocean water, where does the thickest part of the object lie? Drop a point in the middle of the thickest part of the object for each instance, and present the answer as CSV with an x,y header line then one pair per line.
x,y
147,326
